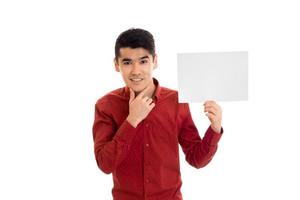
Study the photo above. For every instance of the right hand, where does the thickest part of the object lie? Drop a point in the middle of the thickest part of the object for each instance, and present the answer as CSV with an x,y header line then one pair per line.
x,y
139,107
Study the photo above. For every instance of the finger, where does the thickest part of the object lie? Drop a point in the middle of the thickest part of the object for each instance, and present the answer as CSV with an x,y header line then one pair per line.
x,y
144,91
209,102
132,95
211,110
151,106
215,106
148,100
212,117
210,106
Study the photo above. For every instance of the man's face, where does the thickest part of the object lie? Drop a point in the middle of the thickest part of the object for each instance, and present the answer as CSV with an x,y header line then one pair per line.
x,y
136,66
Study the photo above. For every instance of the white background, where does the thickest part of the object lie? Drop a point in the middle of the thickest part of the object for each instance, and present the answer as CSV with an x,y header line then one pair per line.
x,y
56,61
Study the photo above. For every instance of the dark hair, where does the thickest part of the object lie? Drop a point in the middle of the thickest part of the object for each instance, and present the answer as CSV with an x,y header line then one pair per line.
x,y
135,38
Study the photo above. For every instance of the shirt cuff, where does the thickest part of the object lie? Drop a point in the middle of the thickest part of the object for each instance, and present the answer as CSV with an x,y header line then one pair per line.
x,y
213,137
126,132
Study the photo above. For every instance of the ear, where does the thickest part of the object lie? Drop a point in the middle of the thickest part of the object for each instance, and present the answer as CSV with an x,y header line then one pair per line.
x,y
117,68
155,61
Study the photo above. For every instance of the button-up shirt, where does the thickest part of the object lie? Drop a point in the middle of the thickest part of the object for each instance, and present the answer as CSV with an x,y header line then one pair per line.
x,y
144,161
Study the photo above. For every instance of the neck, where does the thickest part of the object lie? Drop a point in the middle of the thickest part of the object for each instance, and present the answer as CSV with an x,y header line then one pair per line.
x,y
151,91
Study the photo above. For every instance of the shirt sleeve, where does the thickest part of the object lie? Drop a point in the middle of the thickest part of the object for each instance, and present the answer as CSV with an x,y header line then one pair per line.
x,y
198,151
111,143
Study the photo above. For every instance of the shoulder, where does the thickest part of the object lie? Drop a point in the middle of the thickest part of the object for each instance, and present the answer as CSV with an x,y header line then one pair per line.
x,y
167,93
110,97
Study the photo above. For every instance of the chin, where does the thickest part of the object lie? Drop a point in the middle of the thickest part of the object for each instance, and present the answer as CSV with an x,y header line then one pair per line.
x,y
137,89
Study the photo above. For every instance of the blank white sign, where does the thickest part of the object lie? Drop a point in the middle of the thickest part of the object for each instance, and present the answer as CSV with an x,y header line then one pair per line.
x,y
218,76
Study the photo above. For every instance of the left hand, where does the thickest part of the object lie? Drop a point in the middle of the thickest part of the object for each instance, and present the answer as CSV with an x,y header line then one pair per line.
x,y
214,114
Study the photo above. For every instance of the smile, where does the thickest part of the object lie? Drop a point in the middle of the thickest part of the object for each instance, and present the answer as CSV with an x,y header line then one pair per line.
x,y
136,79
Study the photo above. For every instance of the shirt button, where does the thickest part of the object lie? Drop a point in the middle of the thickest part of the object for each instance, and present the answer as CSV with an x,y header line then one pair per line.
x,y
147,180
147,125
147,145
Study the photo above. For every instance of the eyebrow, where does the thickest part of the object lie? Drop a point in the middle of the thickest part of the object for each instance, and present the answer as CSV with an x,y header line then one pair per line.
x,y
126,59
141,58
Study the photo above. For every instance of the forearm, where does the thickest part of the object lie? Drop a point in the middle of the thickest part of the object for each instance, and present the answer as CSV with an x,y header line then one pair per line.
x,y
109,154
202,152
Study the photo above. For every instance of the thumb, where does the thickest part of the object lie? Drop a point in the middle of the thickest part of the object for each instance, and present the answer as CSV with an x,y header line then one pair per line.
x,y
132,95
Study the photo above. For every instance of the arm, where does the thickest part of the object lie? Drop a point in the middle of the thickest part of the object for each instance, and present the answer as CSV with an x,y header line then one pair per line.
x,y
111,145
198,152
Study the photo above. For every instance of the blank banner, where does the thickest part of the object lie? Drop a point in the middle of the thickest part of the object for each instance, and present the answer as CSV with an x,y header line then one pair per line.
x,y
218,76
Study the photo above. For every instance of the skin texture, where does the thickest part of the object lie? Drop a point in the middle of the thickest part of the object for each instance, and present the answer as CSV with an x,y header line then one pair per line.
x,y
214,114
136,67
137,63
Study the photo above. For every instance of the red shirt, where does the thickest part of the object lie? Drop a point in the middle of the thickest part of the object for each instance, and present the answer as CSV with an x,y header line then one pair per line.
x,y
144,160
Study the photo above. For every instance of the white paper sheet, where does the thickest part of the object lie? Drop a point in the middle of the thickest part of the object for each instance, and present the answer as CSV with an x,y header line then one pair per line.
x,y
218,76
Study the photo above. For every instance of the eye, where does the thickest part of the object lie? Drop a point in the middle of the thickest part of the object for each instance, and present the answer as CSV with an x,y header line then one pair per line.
x,y
126,63
144,61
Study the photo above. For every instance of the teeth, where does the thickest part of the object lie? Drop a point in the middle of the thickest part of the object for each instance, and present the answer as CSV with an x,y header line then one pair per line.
x,y
136,79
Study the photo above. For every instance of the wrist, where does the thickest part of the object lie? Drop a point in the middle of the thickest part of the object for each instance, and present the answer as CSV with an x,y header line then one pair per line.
x,y
132,121
216,129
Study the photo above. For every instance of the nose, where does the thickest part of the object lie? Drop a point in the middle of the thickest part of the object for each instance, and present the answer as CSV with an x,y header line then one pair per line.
x,y
135,68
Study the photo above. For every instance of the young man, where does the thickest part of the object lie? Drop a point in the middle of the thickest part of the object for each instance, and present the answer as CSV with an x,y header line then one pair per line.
x,y
137,128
